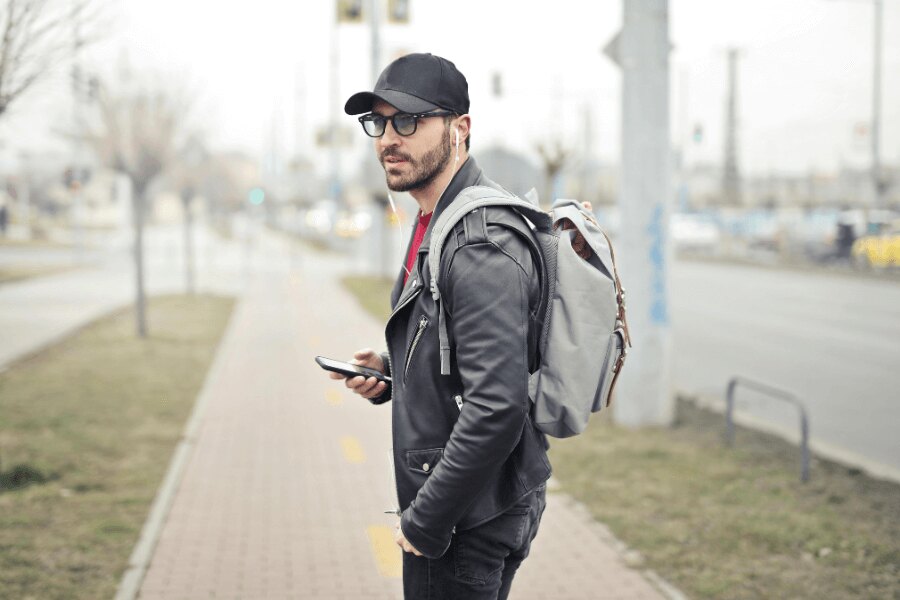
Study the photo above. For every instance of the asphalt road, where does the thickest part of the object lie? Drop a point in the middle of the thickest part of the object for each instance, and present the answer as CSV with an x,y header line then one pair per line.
x,y
833,340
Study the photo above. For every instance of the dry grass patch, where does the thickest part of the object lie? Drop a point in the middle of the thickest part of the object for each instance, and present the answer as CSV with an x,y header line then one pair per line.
x,y
87,429
736,523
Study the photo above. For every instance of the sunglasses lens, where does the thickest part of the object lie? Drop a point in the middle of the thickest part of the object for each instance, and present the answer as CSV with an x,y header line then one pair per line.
x,y
404,124
373,125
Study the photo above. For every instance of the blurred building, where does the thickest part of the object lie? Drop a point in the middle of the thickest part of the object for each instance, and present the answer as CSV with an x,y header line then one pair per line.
x,y
846,188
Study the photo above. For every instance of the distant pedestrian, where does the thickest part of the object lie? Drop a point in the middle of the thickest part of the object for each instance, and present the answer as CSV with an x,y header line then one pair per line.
x,y
844,239
4,218
470,465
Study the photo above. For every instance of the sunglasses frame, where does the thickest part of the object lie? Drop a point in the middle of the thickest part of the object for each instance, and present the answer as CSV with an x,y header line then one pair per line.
x,y
371,118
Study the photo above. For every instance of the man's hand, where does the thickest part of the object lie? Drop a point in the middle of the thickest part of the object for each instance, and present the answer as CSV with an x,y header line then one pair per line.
x,y
365,387
579,244
404,543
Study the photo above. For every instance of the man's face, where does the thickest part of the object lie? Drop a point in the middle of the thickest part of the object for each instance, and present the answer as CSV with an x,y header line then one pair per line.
x,y
412,161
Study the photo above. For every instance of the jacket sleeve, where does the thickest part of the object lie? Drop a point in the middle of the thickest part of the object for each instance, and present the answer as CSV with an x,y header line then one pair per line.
x,y
487,297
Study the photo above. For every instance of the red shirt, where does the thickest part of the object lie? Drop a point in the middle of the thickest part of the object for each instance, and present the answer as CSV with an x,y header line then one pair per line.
x,y
424,220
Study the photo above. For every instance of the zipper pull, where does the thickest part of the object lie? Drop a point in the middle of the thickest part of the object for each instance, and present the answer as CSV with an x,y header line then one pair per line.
x,y
459,401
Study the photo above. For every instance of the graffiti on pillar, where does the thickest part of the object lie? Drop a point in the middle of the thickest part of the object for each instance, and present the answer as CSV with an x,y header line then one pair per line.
x,y
659,312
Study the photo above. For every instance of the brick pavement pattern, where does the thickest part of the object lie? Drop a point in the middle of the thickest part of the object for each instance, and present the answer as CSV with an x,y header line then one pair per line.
x,y
290,473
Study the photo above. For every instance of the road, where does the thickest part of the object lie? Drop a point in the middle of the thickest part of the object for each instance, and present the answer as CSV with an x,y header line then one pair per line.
x,y
833,340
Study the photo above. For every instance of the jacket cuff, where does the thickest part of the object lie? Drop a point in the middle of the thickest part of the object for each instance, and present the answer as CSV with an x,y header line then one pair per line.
x,y
386,361
384,397
386,394
430,545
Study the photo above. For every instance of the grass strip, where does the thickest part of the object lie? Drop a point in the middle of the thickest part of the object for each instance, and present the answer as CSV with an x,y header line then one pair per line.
x,y
9,274
373,294
87,429
32,243
736,522
726,523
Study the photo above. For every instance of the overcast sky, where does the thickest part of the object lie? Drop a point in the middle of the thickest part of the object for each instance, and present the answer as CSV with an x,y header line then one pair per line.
x,y
805,79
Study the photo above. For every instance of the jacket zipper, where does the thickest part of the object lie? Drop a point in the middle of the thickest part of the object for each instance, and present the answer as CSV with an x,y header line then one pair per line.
x,y
409,299
423,323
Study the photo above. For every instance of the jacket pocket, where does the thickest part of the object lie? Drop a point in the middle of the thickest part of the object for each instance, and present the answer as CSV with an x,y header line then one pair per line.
x,y
423,461
420,331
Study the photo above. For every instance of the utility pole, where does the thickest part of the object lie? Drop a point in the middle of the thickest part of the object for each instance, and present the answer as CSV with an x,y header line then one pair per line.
x,y
375,24
335,187
731,177
877,182
641,50
76,184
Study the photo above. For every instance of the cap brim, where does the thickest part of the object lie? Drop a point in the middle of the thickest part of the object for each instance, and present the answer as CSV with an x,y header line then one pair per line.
x,y
362,102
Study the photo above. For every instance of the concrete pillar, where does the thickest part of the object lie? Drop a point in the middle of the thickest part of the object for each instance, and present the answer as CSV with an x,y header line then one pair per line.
x,y
644,392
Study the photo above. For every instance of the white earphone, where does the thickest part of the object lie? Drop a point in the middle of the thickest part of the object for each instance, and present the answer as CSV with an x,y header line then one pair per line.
x,y
457,144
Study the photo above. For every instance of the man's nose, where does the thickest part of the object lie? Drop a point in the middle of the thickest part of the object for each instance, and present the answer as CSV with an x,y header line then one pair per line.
x,y
390,137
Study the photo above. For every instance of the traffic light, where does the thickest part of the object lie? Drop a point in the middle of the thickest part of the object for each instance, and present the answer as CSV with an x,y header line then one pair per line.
x,y
349,11
497,84
398,12
256,196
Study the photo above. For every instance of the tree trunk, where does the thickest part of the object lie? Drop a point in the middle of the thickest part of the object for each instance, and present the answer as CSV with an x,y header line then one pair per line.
x,y
140,300
188,243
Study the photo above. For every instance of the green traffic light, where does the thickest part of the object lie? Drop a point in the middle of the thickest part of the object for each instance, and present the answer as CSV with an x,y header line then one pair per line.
x,y
257,196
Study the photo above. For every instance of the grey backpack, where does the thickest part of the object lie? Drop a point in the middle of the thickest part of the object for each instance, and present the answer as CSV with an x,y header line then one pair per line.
x,y
583,337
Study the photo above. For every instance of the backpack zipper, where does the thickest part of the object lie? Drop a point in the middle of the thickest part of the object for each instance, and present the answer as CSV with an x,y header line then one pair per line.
x,y
423,323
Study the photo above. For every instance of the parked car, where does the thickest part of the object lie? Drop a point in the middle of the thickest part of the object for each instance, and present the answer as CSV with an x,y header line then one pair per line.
x,y
694,232
881,249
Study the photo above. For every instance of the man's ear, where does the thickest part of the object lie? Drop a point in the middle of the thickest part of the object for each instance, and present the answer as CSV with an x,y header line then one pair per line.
x,y
462,125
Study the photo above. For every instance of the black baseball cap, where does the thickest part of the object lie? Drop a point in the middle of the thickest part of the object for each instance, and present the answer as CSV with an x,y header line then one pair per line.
x,y
416,83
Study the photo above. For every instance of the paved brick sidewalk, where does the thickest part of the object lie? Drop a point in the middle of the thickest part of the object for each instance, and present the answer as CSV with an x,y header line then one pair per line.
x,y
284,492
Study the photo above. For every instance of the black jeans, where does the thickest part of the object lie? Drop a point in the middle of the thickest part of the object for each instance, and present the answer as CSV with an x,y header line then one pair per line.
x,y
481,562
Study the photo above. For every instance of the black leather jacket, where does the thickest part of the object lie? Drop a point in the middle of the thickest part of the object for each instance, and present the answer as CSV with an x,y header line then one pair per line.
x,y
465,449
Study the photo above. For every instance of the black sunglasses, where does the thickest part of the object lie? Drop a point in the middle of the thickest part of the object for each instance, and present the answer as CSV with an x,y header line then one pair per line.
x,y
403,123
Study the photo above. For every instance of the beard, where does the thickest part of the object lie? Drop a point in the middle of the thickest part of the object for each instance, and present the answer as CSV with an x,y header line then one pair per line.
x,y
422,170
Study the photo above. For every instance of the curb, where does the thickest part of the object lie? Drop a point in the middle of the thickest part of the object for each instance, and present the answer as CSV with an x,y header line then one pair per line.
x,y
130,584
628,556
821,449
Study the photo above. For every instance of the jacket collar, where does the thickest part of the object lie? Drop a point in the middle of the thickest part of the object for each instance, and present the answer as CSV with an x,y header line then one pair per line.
x,y
469,174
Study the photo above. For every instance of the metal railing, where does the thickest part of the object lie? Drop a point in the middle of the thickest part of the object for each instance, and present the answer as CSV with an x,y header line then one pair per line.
x,y
772,392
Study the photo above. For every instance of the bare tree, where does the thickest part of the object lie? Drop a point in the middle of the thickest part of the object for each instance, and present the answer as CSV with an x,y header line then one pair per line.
x,y
35,36
554,159
188,178
141,131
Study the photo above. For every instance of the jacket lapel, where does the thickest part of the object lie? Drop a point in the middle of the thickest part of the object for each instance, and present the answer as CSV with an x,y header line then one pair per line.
x,y
468,175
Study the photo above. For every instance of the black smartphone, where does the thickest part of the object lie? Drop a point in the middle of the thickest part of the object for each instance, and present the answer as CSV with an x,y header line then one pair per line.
x,y
349,369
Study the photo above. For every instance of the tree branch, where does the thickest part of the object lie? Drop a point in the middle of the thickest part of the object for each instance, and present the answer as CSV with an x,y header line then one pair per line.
x,y
34,41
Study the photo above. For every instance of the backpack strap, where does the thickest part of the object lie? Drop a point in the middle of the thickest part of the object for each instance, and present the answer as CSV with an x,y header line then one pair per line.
x,y
469,200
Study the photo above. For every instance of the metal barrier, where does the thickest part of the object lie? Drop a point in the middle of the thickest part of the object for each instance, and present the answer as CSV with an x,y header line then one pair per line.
x,y
774,393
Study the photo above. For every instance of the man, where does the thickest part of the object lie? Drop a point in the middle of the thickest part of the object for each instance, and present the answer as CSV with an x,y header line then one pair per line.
x,y
470,466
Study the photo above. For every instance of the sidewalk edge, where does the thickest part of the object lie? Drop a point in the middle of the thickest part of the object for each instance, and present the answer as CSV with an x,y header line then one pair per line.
x,y
139,561
627,555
